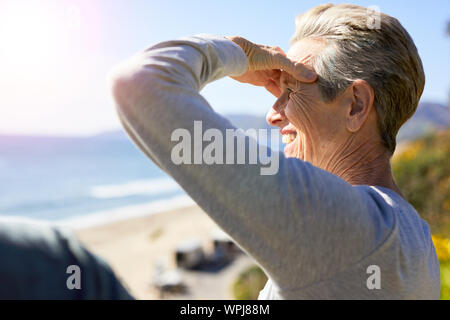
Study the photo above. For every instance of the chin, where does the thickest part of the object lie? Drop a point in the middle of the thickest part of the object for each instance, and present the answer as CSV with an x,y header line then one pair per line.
x,y
293,147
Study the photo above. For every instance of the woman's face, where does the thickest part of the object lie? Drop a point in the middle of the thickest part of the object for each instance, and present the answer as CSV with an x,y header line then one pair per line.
x,y
310,127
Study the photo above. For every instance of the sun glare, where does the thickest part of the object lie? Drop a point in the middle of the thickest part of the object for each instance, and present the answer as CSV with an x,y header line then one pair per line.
x,y
41,63
32,36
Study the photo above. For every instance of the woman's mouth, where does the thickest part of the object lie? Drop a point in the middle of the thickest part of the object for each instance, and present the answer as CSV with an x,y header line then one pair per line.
x,y
292,138
289,137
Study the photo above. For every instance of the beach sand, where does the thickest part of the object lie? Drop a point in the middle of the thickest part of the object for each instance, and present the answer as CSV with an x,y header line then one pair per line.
x,y
133,247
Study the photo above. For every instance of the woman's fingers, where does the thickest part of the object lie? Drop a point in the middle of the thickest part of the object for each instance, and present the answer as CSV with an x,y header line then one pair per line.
x,y
272,81
273,88
262,62
273,73
275,58
296,69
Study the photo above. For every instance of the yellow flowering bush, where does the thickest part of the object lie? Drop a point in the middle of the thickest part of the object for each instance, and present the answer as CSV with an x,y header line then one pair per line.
x,y
442,246
422,171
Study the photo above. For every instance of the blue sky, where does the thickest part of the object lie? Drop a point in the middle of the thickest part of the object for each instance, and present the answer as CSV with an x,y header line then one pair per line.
x,y
57,54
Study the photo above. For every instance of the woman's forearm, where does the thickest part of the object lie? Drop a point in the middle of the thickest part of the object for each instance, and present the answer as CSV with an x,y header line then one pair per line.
x,y
157,90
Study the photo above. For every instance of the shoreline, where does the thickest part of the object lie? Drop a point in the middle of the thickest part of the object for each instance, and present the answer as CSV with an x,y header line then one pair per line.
x,y
134,247
104,217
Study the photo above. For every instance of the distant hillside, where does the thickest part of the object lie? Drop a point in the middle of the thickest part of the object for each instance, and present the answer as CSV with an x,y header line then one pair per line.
x,y
245,121
115,135
428,117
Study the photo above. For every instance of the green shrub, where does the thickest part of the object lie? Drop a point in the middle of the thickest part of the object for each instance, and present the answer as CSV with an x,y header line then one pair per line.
x,y
249,283
445,280
422,172
442,246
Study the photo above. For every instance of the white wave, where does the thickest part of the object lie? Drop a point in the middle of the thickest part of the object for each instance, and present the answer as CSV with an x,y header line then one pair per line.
x,y
7,218
137,187
127,212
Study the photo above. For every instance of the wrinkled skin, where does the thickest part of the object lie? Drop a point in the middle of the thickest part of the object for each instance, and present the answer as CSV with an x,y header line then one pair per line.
x,y
340,136
300,109
265,64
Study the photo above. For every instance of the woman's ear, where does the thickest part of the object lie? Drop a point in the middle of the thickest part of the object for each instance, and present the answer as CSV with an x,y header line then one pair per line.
x,y
362,98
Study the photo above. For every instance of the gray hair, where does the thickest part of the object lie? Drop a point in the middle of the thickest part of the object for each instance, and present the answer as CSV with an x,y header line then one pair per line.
x,y
384,55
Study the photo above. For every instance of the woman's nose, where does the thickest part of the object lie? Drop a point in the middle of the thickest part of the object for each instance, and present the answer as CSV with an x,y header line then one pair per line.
x,y
275,118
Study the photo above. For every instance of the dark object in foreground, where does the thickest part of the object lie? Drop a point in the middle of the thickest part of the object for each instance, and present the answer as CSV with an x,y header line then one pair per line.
x,y
43,262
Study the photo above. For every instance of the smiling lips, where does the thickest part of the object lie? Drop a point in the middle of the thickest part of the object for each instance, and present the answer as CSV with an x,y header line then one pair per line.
x,y
289,133
289,137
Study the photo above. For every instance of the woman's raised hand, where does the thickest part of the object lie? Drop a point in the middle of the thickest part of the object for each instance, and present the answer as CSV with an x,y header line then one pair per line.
x,y
265,64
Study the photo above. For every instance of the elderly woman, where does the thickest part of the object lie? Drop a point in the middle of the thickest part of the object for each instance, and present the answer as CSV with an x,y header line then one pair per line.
x,y
331,223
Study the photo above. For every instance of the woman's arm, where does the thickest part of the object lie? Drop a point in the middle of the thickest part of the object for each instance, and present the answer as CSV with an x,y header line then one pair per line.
x,y
290,222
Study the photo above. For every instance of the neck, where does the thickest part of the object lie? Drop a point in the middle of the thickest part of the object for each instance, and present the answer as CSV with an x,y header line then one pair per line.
x,y
361,163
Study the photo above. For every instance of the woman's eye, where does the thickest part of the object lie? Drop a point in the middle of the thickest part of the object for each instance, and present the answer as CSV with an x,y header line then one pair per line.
x,y
290,92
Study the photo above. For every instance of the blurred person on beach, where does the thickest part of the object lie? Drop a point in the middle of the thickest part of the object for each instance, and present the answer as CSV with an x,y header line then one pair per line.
x,y
43,262
331,222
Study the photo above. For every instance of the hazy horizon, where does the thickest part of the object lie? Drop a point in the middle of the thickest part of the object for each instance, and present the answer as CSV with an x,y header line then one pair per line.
x,y
120,129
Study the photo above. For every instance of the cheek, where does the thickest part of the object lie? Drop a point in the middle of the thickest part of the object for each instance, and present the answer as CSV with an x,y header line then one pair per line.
x,y
330,120
301,112
294,114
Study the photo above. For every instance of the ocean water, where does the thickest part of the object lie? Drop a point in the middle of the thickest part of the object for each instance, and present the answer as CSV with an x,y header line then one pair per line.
x,y
77,179
83,181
